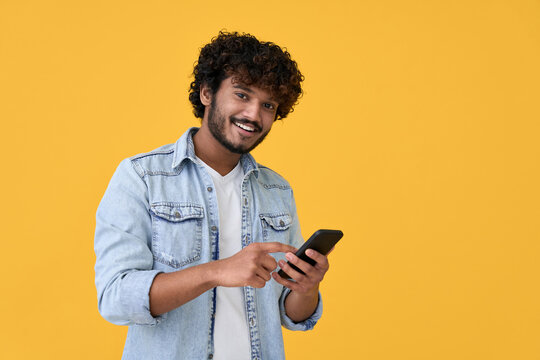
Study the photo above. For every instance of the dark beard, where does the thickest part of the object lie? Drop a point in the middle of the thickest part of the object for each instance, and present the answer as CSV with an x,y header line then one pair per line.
x,y
216,123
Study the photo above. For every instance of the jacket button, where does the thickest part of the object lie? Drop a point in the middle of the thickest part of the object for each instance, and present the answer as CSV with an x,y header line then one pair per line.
x,y
211,356
281,223
209,189
214,228
245,201
177,214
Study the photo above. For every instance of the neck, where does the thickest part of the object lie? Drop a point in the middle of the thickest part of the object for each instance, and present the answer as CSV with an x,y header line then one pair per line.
x,y
215,155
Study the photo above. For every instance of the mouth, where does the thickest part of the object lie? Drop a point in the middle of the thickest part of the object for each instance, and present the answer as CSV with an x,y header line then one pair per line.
x,y
246,127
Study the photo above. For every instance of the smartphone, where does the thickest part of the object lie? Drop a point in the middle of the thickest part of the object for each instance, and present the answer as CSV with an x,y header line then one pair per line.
x,y
321,241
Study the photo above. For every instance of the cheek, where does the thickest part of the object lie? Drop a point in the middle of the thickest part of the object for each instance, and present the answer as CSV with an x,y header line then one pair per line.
x,y
269,127
268,123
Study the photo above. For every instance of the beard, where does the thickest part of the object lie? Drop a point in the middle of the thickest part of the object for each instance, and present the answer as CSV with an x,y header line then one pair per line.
x,y
216,125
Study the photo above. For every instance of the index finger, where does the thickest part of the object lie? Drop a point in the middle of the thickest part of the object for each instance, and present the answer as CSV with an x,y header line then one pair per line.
x,y
274,247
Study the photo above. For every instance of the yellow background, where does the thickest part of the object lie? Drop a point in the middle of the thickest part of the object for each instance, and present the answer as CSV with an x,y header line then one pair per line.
x,y
418,136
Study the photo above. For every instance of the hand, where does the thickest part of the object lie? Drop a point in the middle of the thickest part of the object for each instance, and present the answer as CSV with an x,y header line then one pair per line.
x,y
307,283
251,266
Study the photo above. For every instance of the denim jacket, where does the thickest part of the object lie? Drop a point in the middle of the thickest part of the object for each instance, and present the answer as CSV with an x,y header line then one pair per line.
x,y
159,214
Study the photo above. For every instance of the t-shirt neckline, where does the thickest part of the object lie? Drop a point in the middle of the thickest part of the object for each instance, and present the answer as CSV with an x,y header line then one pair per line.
x,y
223,178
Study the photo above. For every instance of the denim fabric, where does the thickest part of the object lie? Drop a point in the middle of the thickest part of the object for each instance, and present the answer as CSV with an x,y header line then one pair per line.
x,y
159,214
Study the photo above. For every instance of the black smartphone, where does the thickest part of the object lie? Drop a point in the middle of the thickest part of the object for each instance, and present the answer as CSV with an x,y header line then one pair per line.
x,y
321,241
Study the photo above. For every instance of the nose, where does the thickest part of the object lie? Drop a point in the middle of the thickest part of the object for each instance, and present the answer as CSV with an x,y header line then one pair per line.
x,y
252,111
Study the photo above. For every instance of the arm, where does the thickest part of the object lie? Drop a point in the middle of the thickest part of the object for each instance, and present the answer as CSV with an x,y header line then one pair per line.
x,y
304,296
300,302
249,267
124,262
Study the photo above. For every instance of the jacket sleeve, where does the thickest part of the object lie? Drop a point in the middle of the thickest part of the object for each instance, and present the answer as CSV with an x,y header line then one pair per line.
x,y
123,258
297,241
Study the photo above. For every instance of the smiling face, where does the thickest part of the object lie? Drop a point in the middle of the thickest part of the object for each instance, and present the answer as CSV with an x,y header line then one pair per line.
x,y
238,116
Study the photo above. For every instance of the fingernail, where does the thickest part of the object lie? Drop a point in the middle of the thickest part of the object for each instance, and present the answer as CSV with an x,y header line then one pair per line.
x,y
309,252
288,256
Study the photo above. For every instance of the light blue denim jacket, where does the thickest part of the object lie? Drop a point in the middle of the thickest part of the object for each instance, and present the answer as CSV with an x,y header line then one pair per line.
x,y
159,214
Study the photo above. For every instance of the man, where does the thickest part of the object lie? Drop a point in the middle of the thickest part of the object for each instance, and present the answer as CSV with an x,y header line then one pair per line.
x,y
188,236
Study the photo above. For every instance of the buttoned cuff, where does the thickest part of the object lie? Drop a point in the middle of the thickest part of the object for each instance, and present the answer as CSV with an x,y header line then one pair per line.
x,y
307,324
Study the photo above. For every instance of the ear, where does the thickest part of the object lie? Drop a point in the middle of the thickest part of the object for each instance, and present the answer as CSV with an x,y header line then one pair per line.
x,y
205,95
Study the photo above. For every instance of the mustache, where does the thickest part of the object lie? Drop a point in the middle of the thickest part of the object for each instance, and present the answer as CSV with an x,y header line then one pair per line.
x,y
247,122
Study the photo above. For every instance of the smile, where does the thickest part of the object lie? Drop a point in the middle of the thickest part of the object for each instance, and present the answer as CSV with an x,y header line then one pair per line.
x,y
244,126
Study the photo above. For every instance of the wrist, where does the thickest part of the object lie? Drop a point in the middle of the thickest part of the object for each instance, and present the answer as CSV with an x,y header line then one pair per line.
x,y
219,272
213,273
308,294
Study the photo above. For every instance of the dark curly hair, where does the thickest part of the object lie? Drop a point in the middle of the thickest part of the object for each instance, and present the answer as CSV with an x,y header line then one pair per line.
x,y
250,61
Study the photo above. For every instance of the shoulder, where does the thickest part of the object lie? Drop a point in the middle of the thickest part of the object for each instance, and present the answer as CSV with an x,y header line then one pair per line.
x,y
155,162
268,178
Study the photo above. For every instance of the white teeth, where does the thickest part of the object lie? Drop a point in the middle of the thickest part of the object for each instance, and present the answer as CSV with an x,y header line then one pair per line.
x,y
245,127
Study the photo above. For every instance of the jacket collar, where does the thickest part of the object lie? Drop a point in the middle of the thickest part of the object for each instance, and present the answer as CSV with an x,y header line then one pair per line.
x,y
184,149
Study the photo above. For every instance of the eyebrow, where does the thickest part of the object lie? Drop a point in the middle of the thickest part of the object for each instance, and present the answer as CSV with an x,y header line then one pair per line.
x,y
248,90
238,86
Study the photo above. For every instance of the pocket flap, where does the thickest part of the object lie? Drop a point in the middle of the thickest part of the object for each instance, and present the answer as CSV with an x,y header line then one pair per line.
x,y
176,212
277,221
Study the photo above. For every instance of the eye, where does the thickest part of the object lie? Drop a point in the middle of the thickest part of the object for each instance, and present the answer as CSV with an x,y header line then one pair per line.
x,y
241,95
269,106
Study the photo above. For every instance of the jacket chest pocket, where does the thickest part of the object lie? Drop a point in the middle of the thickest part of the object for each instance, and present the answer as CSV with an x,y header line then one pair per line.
x,y
176,233
275,227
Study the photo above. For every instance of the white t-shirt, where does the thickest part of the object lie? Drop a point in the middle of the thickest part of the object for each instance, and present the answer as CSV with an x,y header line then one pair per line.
x,y
231,333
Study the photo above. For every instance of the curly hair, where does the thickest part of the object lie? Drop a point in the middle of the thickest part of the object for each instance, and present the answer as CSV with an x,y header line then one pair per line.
x,y
250,61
